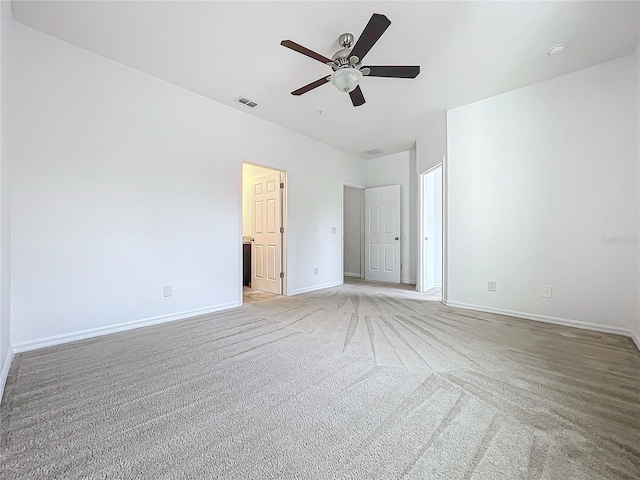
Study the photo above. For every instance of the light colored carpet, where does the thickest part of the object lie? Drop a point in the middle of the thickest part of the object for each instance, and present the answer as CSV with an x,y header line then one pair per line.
x,y
360,381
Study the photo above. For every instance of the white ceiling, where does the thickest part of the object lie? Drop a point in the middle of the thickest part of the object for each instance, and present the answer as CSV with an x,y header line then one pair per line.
x,y
467,51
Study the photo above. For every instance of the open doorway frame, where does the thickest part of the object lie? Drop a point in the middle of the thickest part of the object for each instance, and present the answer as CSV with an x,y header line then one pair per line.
x,y
361,188
421,277
283,223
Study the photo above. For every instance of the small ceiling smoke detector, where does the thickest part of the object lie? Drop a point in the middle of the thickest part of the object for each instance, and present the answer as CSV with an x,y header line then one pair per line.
x,y
247,102
557,49
375,151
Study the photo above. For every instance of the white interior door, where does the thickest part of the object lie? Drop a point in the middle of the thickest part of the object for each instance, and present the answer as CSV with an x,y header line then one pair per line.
x,y
266,244
432,225
382,233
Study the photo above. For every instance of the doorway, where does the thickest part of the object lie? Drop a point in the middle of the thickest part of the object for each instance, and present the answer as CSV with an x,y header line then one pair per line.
x,y
263,232
353,231
371,233
432,232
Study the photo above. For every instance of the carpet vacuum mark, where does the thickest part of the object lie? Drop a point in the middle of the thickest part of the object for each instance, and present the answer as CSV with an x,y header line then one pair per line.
x,y
353,382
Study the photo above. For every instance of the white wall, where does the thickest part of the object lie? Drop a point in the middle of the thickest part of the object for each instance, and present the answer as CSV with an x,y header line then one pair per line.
x,y
396,170
414,190
122,183
353,198
431,146
543,190
249,173
5,216
637,73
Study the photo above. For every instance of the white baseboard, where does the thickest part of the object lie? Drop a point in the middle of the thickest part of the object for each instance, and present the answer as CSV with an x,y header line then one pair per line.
x,y
5,371
347,274
635,336
314,288
596,327
433,285
119,327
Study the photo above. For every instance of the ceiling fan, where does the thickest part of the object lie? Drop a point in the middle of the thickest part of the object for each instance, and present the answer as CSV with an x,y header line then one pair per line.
x,y
347,62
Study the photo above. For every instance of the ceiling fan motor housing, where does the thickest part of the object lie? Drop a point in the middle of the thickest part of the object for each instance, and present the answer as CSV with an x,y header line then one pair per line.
x,y
341,57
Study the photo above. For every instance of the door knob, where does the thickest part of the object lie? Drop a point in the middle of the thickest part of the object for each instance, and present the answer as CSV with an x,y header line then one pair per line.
x,y
253,239
397,238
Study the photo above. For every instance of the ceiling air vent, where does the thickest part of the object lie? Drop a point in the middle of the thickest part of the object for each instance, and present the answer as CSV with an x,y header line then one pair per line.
x,y
247,102
375,151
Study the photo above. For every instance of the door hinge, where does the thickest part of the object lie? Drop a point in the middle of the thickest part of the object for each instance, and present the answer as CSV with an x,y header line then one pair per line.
x,y
281,274
281,184
281,229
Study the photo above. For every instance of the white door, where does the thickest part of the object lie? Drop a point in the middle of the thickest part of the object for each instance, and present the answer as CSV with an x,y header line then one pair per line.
x,y
432,225
266,244
382,233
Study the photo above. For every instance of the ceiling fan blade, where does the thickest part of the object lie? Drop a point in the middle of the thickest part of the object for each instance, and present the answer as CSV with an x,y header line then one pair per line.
x,y
370,35
357,98
305,51
311,86
394,71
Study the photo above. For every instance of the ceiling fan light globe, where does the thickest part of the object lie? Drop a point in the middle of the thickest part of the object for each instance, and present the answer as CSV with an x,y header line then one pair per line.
x,y
346,79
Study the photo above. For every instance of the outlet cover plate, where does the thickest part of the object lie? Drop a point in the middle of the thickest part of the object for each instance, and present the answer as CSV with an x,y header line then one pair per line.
x,y
546,291
491,286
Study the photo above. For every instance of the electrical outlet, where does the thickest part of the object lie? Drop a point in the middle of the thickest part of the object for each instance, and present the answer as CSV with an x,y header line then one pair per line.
x,y
167,290
546,291
491,286
334,230
315,271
